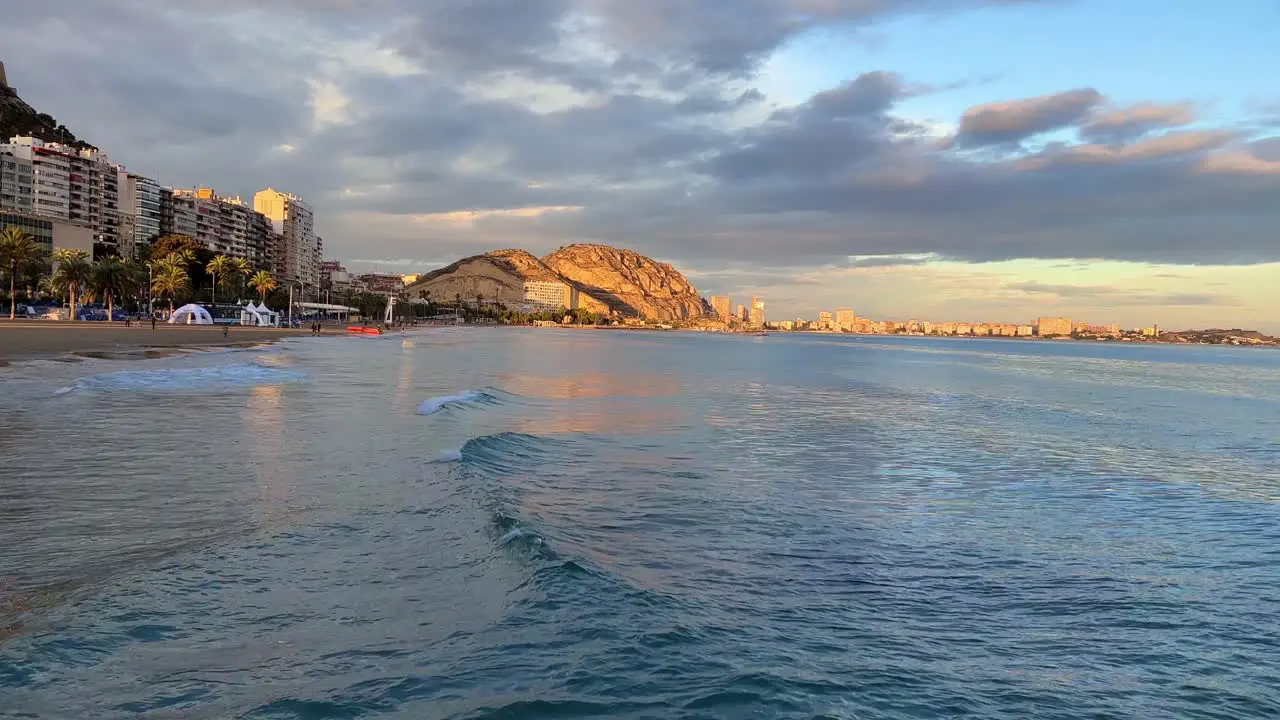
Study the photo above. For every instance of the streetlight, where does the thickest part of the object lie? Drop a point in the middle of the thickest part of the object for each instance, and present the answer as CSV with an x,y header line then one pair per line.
x,y
151,310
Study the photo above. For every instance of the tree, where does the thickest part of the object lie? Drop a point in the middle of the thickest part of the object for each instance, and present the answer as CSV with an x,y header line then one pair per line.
x,y
112,279
263,283
71,272
219,268
17,250
166,245
169,277
243,269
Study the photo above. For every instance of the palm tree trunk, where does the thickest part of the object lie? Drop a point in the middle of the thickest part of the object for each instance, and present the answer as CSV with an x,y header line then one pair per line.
x,y
71,291
111,306
13,297
213,291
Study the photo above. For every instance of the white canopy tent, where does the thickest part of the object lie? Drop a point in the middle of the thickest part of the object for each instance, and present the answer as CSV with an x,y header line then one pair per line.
x,y
191,314
259,316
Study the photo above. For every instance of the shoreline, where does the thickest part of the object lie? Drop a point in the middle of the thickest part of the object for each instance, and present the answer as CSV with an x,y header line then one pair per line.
x,y
41,339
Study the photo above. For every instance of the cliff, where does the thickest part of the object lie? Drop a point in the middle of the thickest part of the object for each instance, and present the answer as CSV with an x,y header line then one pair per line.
x,y
596,277
19,118
628,282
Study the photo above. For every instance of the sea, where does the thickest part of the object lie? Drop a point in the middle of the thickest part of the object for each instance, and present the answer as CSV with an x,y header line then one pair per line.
x,y
541,523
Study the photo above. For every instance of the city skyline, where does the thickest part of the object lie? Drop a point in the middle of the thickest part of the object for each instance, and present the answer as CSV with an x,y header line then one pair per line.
x,y
970,160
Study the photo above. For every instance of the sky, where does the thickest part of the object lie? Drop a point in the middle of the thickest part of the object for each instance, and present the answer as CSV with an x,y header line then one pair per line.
x,y
979,160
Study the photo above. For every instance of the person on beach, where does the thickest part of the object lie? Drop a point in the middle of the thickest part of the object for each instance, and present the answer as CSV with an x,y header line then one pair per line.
x,y
153,322
224,330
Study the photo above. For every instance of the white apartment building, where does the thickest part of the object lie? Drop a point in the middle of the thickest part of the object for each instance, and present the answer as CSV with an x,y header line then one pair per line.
x,y
17,182
541,295
298,254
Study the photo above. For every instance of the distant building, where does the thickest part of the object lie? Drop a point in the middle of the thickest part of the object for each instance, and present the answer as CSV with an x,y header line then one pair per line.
x,y
721,307
141,211
383,284
298,254
757,312
1047,326
542,295
742,312
845,320
1025,331
824,320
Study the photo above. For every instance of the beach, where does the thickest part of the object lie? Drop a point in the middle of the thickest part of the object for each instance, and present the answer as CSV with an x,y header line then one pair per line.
x,y
28,339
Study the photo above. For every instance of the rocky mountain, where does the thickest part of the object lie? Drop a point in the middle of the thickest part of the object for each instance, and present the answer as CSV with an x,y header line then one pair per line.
x,y
628,282
595,277
19,118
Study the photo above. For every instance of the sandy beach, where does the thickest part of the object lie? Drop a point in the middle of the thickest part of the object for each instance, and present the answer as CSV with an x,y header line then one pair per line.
x,y
27,339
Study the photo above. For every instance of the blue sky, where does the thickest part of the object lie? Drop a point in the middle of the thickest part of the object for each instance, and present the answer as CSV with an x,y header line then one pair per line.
x,y
1222,54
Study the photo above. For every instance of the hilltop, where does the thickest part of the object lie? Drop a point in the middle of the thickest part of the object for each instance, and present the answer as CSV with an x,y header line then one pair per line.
x,y
598,278
19,118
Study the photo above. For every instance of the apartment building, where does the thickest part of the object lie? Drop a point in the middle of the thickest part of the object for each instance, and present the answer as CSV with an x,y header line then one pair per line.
x,y
141,212
77,185
757,312
299,251
845,320
17,182
721,306
1053,326
540,295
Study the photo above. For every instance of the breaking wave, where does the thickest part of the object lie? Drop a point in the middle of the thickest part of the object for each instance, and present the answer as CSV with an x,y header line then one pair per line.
x,y
212,378
462,400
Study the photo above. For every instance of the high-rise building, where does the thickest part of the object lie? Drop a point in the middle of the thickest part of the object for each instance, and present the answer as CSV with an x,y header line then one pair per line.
x,y
140,212
1046,326
845,320
757,312
225,225
17,181
298,254
722,308
742,313
79,185
824,320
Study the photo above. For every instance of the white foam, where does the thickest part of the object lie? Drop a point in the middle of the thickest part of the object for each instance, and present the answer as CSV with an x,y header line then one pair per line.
x,y
448,456
216,377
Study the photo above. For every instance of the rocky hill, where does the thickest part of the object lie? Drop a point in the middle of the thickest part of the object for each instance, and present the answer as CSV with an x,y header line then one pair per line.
x,y
19,118
596,277
628,282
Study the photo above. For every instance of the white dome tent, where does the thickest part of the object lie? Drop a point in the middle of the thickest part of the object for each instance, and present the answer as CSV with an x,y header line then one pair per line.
x,y
191,314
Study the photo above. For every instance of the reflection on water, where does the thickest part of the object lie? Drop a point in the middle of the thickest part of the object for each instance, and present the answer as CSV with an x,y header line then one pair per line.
x,y
589,384
275,471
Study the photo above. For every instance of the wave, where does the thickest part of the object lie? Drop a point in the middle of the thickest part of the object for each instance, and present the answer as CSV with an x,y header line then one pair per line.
x,y
207,379
509,452
468,399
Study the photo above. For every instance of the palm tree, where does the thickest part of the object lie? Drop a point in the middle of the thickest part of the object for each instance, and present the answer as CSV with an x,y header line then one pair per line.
x,y
168,278
71,272
112,278
17,250
244,269
263,283
219,267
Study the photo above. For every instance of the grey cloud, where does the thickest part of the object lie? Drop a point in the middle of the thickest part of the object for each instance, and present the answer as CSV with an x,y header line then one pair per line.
x,y
1126,124
1120,296
1010,122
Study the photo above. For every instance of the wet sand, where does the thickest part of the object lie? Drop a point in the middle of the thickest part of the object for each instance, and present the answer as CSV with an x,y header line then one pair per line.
x,y
28,339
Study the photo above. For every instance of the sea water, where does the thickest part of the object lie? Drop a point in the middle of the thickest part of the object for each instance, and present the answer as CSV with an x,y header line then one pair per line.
x,y
503,523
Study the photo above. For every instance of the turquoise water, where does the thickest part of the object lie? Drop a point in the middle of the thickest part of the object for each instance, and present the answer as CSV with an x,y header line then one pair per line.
x,y
535,524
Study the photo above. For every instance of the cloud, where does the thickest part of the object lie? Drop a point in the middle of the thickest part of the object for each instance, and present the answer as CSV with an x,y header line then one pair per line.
x,y
1121,296
1010,122
646,119
1127,124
